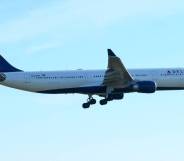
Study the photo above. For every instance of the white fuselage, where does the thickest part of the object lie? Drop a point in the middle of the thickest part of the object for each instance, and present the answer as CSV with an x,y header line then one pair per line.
x,y
61,81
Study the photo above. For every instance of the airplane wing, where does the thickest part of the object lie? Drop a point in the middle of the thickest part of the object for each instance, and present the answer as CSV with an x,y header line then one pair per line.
x,y
116,75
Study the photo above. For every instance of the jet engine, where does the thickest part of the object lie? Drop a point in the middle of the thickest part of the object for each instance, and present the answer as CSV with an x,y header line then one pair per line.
x,y
145,87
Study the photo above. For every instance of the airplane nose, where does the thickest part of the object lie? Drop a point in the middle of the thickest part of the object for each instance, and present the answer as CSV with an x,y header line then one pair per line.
x,y
2,77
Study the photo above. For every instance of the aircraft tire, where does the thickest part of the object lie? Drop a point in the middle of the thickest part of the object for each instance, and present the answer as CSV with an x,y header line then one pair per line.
x,y
86,105
103,102
93,101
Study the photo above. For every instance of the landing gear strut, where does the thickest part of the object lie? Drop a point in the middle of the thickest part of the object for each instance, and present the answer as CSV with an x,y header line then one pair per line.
x,y
105,101
90,101
108,97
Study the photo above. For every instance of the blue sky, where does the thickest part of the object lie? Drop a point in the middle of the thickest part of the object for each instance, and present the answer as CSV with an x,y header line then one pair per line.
x,y
61,35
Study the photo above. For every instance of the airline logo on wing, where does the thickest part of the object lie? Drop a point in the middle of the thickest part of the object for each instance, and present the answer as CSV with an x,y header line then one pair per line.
x,y
2,77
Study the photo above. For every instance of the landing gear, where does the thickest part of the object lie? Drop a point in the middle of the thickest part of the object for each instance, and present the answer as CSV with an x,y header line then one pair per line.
x,y
108,98
90,101
86,105
111,97
103,102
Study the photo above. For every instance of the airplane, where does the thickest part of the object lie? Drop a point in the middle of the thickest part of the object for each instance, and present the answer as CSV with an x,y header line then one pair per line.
x,y
111,83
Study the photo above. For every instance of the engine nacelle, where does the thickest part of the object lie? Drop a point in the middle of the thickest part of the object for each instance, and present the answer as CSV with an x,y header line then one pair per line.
x,y
145,87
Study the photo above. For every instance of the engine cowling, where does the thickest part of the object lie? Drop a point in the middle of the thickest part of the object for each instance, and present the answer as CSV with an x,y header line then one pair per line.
x,y
145,87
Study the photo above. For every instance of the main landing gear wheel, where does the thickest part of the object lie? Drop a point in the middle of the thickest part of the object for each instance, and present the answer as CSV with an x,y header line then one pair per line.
x,y
90,101
85,105
103,102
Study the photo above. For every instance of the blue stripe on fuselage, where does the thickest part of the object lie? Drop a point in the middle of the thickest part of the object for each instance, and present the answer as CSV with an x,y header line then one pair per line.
x,y
87,90
99,89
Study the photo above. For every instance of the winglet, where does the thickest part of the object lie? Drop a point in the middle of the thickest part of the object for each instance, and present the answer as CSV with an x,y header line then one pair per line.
x,y
110,52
